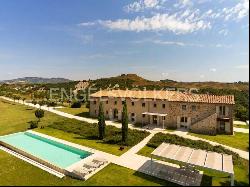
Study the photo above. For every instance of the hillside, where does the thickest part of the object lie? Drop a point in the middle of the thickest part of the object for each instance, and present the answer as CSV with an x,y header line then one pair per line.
x,y
131,81
135,81
35,80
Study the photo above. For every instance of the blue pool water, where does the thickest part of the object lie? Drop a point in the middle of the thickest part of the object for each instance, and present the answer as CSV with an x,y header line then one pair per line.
x,y
56,153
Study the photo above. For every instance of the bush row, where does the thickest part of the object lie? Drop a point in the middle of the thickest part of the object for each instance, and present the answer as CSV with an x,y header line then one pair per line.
x,y
90,131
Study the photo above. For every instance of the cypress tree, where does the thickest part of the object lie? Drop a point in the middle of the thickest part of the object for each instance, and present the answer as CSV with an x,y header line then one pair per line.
x,y
101,122
124,123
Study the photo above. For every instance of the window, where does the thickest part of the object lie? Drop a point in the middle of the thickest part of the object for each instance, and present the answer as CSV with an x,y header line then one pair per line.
x,y
94,102
143,104
155,105
123,102
107,112
163,118
115,102
95,111
183,119
132,103
222,110
107,102
184,107
194,108
132,119
143,115
163,106
133,114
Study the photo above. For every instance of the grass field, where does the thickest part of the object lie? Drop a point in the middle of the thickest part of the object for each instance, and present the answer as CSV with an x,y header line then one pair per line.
x,y
15,117
82,112
71,137
213,178
17,172
241,126
238,140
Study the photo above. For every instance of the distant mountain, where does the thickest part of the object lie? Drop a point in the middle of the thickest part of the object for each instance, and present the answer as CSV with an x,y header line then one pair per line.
x,y
134,81
167,80
35,80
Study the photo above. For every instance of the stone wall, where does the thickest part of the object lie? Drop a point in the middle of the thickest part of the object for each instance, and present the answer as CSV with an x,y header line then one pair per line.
x,y
173,110
205,126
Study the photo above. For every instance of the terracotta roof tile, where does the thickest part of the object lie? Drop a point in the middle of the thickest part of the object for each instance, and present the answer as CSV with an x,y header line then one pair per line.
x,y
167,95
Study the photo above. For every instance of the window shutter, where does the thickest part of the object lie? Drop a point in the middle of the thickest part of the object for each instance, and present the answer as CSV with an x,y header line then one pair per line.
x,y
217,109
178,119
227,110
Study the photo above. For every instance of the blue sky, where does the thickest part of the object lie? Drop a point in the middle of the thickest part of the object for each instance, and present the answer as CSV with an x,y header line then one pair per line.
x,y
185,40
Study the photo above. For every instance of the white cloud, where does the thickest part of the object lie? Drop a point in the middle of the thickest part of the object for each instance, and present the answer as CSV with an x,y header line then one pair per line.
x,y
222,46
87,24
223,32
213,69
183,4
238,11
141,5
243,66
182,44
159,22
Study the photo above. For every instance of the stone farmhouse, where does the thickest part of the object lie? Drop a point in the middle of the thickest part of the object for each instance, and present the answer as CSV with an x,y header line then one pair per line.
x,y
198,113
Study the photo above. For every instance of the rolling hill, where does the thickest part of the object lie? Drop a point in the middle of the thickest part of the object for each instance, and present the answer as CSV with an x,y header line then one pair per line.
x,y
35,80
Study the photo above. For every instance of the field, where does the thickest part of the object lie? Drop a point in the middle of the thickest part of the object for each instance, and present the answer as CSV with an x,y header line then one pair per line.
x,y
238,140
17,172
241,126
15,118
82,112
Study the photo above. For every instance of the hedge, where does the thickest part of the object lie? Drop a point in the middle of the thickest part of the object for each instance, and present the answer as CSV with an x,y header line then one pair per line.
x,y
90,131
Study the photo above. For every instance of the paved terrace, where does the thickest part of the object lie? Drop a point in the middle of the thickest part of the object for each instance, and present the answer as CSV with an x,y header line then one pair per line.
x,y
243,154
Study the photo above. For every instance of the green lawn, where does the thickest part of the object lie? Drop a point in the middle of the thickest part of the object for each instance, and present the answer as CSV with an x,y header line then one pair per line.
x,y
238,140
212,178
241,126
15,117
15,172
71,137
82,112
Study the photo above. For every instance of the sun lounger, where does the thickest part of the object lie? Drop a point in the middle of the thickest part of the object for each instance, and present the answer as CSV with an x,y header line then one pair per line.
x,y
99,160
95,164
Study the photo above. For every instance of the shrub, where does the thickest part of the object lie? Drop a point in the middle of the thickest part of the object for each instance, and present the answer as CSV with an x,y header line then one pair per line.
x,y
113,135
76,104
51,104
34,102
33,124
39,114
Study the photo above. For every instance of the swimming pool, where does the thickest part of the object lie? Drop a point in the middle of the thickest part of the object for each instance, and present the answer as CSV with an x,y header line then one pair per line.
x,y
53,152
